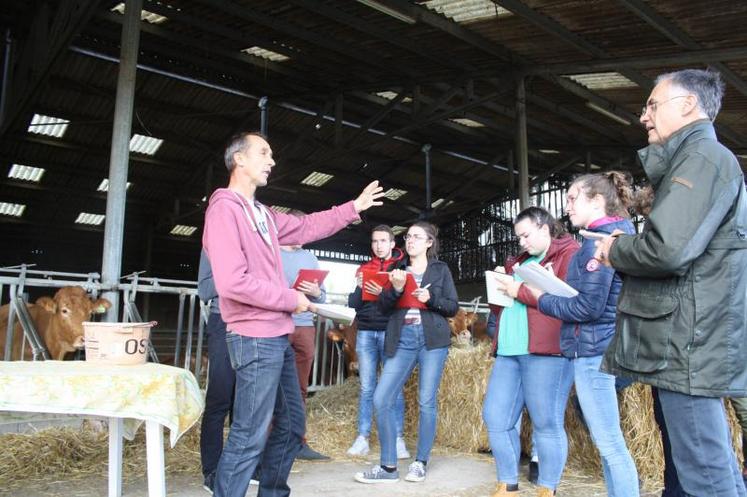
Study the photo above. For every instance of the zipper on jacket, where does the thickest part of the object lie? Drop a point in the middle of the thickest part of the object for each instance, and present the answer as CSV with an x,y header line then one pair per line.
x,y
578,342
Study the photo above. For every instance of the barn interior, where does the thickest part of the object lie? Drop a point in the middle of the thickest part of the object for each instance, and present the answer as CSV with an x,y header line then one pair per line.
x,y
462,109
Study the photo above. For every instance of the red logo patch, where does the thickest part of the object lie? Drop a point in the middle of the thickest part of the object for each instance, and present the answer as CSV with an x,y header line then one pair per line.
x,y
592,265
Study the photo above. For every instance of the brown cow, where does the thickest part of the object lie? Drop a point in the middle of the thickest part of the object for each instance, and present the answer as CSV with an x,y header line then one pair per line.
x,y
58,320
467,327
346,335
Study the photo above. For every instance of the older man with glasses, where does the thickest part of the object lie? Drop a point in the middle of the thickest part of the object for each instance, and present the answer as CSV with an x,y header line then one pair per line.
x,y
682,315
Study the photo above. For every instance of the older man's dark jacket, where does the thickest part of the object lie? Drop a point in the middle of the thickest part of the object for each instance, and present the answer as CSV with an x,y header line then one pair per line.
x,y
682,315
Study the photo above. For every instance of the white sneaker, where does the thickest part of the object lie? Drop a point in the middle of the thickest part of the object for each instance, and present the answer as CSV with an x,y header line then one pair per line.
x,y
402,452
416,472
360,447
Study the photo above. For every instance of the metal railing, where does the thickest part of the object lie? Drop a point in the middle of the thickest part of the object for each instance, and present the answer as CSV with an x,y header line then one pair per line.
x,y
191,318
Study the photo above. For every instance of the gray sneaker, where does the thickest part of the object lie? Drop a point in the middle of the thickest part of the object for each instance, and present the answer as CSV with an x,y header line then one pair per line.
x,y
377,474
416,472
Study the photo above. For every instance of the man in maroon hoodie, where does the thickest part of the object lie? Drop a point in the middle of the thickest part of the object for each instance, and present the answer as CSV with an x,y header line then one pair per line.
x,y
242,239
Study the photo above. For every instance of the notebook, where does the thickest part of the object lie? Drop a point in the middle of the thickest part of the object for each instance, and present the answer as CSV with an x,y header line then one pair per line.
x,y
379,277
495,296
310,275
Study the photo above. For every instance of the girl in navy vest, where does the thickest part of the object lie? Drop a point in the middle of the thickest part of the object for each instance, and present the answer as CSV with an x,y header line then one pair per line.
x,y
599,203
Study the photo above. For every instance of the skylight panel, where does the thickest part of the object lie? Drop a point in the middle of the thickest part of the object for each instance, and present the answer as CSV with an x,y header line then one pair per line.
x,y
26,173
47,125
183,230
91,219
439,202
467,122
602,80
280,208
266,54
316,179
145,144
394,193
144,14
9,209
467,10
398,229
104,185
390,95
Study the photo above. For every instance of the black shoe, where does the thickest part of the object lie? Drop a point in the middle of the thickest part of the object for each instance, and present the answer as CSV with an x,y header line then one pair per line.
x,y
533,473
209,482
309,454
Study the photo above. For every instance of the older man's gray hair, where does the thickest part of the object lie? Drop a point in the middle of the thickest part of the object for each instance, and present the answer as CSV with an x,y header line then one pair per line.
x,y
238,143
706,85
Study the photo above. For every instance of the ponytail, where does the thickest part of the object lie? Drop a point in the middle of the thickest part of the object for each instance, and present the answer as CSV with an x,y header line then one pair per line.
x,y
616,188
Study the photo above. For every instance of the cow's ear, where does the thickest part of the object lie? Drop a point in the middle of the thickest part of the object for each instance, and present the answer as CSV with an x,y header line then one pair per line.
x,y
47,304
100,306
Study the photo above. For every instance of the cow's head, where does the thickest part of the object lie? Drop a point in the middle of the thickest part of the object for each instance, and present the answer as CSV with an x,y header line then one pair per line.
x,y
462,322
346,335
71,306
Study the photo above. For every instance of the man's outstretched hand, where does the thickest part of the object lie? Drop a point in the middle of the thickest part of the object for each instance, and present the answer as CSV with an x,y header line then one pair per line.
x,y
369,197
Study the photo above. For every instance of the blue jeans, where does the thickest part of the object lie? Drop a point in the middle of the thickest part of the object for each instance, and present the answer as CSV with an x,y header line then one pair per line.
x,y
598,399
267,392
542,383
411,351
672,487
701,445
219,397
369,346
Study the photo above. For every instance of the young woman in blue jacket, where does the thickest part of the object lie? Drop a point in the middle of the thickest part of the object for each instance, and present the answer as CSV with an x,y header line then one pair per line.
x,y
599,203
417,334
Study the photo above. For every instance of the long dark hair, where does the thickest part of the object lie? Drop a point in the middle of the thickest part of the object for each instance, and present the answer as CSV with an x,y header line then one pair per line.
x,y
617,190
542,217
432,232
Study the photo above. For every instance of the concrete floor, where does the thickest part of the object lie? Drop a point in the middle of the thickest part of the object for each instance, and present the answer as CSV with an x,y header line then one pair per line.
x,y
448,476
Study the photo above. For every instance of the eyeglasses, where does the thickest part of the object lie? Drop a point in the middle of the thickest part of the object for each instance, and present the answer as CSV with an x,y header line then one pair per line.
x,y
652,105
409,237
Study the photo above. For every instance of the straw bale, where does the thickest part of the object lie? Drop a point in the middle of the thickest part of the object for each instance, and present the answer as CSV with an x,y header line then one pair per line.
x,y
74,453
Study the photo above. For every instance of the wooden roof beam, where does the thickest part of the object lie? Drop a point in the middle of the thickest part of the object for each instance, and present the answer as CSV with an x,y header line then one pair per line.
x,y
680,37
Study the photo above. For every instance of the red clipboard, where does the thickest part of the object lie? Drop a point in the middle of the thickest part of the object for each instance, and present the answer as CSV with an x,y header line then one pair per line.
x,y
378,277
310,275
408,300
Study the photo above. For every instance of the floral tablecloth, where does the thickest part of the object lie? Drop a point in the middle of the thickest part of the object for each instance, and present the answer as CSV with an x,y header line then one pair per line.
x,y
165,394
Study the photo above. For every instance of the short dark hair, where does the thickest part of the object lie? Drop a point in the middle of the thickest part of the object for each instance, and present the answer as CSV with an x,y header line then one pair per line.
x,y
704,84
542,217
386,229
237,143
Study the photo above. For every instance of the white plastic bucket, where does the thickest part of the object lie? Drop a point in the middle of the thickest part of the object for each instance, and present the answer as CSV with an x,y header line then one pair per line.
x,y
117,343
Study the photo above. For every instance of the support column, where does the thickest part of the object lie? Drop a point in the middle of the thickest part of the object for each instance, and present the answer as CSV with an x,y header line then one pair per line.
x,y
7,64
511,172
522,151
263,117
587,166
428,200
120,154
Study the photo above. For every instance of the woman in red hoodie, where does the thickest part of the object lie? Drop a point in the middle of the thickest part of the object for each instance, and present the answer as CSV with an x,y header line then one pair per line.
x,y
529,369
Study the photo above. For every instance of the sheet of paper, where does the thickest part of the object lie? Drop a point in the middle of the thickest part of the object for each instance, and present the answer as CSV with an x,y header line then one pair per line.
x,y
541,278
495,296
336,312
